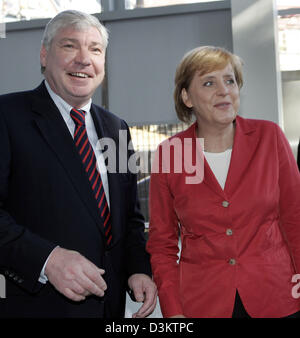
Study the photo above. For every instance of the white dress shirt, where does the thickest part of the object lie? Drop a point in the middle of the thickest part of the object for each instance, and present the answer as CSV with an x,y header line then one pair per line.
x,y
64,108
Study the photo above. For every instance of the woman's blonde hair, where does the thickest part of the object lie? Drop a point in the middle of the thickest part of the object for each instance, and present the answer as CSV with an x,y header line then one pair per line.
x,y
204,60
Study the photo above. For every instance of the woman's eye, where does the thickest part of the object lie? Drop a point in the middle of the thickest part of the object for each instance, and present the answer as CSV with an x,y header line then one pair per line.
x,y
68,46
230,81
208,84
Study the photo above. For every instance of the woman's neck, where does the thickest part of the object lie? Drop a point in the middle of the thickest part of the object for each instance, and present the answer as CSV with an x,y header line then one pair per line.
x,y
217,140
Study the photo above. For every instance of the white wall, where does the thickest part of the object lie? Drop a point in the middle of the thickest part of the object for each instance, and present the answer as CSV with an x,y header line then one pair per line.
x,y
291,107
254,34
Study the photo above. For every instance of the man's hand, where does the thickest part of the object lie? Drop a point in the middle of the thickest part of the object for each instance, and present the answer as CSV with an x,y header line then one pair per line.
x,y
144,291
73,275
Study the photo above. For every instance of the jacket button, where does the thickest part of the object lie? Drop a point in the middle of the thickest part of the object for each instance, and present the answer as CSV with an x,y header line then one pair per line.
x,y
232,261
229,232
225,204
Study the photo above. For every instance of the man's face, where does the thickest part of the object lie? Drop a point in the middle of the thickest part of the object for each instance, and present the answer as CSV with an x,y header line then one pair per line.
x,y
74,64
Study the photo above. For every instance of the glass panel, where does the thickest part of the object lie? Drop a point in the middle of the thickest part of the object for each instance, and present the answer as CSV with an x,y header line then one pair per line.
x,y
145,140
289,37
131,4
15,10
284,4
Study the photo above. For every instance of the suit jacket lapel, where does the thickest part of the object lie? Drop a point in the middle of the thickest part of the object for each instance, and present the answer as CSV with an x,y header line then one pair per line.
x,y
54,130
211,181
208,178
244,147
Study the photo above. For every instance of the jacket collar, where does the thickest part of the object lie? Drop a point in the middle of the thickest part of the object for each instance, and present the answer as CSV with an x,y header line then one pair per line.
x,y
244,146
244,149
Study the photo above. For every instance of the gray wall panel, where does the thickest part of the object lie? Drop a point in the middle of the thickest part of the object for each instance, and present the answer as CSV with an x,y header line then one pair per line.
x,y
20,62
145,47
143,55
255,41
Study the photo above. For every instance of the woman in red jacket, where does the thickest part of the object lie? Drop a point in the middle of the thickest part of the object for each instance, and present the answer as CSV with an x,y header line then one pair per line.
x,y
239,222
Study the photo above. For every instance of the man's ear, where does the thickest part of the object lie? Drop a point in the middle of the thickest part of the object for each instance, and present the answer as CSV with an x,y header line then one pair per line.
x,y
43,56
185,98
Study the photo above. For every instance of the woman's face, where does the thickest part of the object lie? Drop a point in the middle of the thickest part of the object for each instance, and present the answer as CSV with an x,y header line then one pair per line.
x,y
214,97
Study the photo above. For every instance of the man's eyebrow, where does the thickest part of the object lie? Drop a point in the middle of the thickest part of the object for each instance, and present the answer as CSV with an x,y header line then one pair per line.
x,y
93,43
96,43
67,39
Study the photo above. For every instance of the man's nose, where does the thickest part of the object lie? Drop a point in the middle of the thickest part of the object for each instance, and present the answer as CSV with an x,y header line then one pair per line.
x,y
83,57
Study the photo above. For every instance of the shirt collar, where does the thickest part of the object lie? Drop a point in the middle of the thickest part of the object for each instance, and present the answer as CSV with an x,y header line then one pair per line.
x,y
62,105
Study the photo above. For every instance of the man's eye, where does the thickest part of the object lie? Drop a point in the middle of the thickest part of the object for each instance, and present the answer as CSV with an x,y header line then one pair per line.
x,y
96,50
69,46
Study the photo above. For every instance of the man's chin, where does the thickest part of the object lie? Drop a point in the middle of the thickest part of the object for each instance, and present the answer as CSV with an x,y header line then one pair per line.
x,y
77,99
80,92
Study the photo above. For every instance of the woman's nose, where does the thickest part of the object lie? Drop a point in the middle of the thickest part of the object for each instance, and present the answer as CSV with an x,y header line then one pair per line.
x,y
222,88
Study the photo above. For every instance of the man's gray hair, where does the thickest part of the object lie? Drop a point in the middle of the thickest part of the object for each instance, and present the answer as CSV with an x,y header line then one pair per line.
x,y
77,19
74,18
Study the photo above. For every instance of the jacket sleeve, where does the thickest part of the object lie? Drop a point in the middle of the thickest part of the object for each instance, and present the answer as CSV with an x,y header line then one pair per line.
x,y
163,244
289,183
137,258
22,253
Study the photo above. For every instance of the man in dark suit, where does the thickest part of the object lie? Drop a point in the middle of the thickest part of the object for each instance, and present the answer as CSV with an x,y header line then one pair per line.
x,y
71,233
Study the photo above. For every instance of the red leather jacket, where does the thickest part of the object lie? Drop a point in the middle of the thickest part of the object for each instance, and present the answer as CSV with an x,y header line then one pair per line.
x,y
245,237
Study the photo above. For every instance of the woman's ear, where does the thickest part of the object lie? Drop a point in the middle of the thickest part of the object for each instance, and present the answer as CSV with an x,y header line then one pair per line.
x,y
185,98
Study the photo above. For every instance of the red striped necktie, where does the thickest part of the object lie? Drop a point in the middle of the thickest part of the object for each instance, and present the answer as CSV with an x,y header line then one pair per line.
x,y
89,162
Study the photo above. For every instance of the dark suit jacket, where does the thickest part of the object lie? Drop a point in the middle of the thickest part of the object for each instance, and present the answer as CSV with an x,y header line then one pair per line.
x,y
46,200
